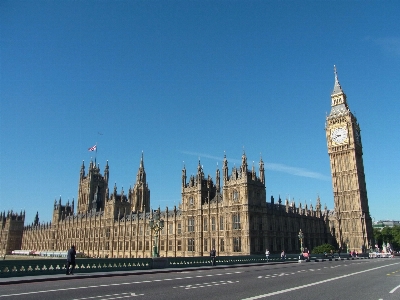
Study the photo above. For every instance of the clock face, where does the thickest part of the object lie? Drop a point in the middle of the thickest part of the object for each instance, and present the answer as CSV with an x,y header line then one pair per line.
x,y
339,135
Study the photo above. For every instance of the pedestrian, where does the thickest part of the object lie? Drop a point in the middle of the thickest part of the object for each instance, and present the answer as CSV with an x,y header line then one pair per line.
x,y
283,256
267,254
212,255
71,260
340,250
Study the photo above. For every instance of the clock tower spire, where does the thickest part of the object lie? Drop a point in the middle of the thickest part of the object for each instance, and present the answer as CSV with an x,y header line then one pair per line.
x,y
351,218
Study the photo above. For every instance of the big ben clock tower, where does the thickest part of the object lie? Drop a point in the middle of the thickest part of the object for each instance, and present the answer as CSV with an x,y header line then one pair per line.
x,y
351,219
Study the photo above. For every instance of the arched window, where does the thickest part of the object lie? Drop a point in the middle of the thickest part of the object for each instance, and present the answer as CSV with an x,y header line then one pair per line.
x,y
235,195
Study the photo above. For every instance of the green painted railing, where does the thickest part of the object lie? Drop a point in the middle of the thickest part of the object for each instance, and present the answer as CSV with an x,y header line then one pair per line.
x,y
14,268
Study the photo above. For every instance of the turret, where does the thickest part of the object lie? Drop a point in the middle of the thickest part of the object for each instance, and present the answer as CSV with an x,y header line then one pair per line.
x,y
243,167
184,177
225,168
36,220
140,196
262,171
106,173
218,181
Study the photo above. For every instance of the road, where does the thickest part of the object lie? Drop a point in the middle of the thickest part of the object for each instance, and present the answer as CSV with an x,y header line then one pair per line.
x,y
373,279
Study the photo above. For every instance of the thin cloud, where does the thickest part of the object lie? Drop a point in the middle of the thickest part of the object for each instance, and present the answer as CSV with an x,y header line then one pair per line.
x,y
269,166
201,155
389,44
295,171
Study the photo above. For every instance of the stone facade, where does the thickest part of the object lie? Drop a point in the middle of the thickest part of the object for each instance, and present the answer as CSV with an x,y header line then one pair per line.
x,y
229,213
234,218
11,231
350,218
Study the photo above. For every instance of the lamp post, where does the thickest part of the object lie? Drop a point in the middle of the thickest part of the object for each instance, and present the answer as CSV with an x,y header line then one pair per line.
x,y
347,244
156,224
301,236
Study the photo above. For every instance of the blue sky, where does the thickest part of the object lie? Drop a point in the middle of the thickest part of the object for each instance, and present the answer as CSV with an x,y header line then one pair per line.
x,y
183,80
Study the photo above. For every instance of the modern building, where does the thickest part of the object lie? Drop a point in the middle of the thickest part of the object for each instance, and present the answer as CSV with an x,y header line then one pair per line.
x,y
385,223
229,213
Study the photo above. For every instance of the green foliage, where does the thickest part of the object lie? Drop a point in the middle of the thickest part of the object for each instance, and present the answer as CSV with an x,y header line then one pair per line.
x,y
388,234
323,248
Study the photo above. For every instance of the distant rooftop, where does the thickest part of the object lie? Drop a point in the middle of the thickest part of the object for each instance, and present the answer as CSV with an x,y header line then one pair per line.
x,y
384,223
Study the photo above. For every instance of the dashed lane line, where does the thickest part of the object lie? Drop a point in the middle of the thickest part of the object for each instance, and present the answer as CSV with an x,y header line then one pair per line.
x,y
316,283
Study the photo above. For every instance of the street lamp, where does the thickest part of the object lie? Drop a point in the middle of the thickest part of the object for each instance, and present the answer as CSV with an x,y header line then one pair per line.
x,y
301,236
347,244
156,224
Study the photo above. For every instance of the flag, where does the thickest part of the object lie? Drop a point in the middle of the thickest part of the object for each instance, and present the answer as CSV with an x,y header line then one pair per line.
x,y
94,148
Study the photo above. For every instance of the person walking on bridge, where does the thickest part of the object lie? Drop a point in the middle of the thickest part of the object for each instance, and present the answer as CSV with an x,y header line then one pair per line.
x,y
213,254
267,254
71,260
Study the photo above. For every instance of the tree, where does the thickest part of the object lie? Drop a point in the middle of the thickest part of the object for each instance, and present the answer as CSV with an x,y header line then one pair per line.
x,y
324,248
377,238
388,234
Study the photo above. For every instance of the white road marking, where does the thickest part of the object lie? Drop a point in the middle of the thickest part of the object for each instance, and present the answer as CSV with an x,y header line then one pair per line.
x,y
392,291
315,283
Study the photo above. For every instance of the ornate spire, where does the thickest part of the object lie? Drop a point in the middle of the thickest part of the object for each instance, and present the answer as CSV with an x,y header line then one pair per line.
x,y
338,99
184,177
141,161
244,163
337,88
225,168
261,170
141,175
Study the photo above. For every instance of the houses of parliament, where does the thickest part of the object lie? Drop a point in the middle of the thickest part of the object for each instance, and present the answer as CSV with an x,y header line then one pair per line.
x,y
229,212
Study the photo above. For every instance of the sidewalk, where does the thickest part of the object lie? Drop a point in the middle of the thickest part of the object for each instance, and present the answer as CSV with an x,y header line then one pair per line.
x,y
79,275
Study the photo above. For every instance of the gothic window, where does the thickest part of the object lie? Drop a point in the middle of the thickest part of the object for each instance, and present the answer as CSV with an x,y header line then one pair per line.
x,y
170,229
190,245
179,228
162,246
147,230
237,244
213,243
191,200
170,245
179,245
221,223
221,245
205,223
140,230
133,245
236,221
213,223
191,224
205,244
147,245
235,196
140,245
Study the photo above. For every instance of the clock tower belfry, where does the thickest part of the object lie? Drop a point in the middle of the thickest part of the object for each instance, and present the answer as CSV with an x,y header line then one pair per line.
x,y
351,218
